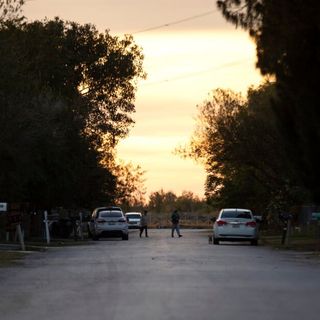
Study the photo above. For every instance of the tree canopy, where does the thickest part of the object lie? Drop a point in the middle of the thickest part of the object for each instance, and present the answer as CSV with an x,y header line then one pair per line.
x,y
162,201
287,36
66,96
238,142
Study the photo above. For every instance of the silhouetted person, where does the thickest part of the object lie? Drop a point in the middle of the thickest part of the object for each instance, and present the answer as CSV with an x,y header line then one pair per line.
x,y
175,218
144,224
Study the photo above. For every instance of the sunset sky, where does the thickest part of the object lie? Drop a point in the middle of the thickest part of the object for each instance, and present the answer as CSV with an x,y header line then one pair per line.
x,y
189,50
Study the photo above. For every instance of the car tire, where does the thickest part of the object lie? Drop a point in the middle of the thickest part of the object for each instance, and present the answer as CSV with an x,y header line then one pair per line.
x,y
215,241
125,237
254,242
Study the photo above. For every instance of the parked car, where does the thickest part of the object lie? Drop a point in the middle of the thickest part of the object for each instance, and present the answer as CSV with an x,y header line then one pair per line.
x,y
235,225
108,222
133,219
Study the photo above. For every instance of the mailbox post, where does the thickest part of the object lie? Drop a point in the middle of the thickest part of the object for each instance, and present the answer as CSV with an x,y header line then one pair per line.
x,y
46,225
14,218
316,218
285,218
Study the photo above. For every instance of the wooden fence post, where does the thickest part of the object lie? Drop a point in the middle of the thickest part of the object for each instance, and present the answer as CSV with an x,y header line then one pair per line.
x,y
46,223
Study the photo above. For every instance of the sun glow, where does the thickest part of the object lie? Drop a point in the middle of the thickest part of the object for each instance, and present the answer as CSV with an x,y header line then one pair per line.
x,y
182,69
184,62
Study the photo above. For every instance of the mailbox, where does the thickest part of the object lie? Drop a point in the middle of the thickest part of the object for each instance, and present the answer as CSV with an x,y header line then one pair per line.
x,y
315,216
3,207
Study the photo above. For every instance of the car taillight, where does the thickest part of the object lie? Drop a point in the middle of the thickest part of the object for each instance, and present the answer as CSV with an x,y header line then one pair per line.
x,y
251,224
221,223
101,221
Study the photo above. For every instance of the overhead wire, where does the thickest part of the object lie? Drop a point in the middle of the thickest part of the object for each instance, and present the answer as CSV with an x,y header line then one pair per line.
x,y
176,22
192,74
196,73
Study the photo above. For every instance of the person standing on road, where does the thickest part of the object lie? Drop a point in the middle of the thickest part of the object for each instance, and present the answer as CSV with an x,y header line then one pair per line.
x,y
175,218
144,224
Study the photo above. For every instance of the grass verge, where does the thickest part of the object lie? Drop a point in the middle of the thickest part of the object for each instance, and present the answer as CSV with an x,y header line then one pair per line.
x,y
297,243
9,258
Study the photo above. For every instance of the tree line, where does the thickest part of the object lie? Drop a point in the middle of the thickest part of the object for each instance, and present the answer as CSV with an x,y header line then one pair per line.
x,y
193,210
67,97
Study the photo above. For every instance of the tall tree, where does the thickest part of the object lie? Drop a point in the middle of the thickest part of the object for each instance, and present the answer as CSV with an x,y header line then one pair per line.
x,y
66,95
237,140
287,35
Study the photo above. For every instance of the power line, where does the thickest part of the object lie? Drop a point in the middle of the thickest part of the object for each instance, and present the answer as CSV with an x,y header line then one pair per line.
x,y
176,22
196,73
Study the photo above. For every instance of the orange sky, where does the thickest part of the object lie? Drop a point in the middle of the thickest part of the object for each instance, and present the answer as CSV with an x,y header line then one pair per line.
x,y
189,51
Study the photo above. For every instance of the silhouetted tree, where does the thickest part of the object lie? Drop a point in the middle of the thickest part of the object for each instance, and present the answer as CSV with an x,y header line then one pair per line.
x,y
239,144
130,190
66,95
166,201
287,35
162,201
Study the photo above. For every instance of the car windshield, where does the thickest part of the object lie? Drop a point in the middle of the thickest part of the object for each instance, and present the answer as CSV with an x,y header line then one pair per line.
x,y
133,216
110,214
236,214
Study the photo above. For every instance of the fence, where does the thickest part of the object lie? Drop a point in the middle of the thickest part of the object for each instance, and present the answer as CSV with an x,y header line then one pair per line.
x,y
187,220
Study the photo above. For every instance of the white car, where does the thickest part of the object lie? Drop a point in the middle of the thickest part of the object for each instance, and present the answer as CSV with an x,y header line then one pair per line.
x,y
235,225
133,219
108,222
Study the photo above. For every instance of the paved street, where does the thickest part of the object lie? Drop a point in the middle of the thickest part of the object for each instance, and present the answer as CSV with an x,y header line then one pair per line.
x,y
161,278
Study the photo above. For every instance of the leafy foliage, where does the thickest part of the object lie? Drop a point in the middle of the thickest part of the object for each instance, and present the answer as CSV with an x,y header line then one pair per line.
x,y
162,201
238,142
66,95
287,37
166,201
130,190
11,10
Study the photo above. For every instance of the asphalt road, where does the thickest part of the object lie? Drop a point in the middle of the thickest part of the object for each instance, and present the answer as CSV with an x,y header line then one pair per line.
x,y
161,278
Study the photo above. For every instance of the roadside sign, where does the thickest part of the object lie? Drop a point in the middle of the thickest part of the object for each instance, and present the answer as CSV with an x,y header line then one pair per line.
x,y
3,206
315,216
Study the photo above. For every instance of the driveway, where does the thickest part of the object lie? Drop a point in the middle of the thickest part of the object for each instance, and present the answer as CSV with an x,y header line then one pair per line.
x,y
161,278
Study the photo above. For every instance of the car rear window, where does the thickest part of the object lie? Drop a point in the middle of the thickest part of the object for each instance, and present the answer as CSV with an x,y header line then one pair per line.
x,y
110,214
134,216
236,214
